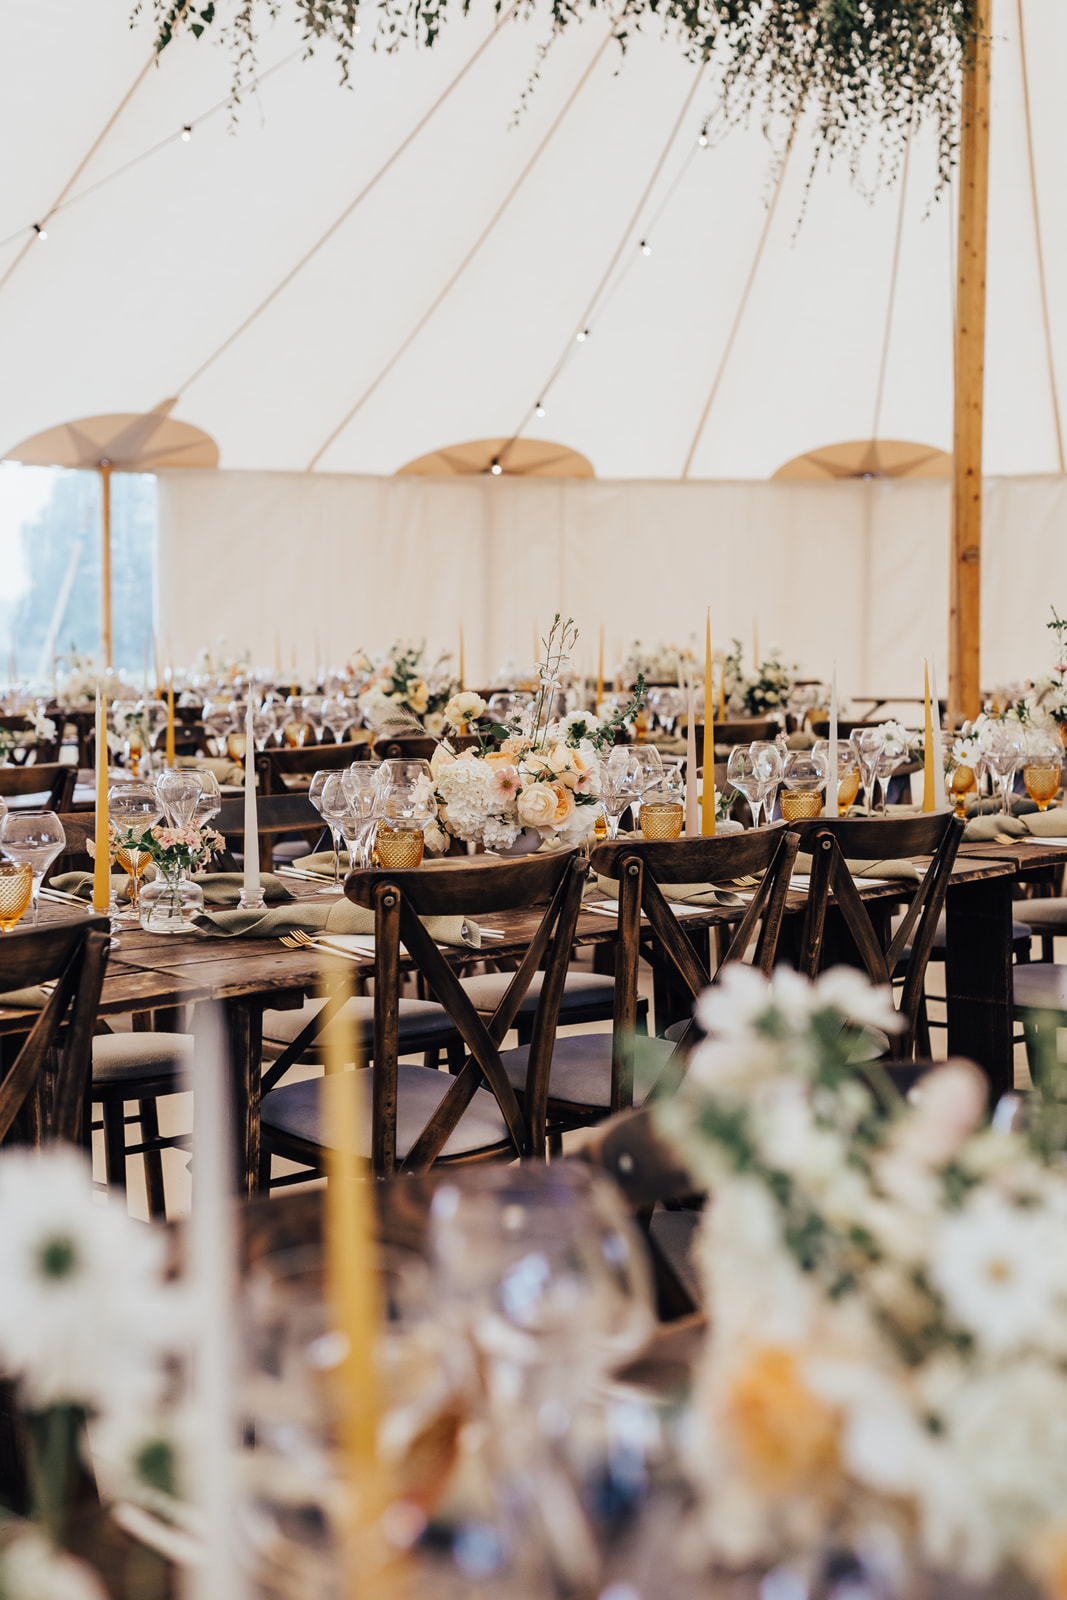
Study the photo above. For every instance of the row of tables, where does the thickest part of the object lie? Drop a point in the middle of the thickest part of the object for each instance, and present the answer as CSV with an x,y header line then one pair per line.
x,y
247,977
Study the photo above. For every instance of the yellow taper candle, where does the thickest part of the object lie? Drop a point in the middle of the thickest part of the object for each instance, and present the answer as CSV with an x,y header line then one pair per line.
x,y
171,758
102,864
929,794
707,796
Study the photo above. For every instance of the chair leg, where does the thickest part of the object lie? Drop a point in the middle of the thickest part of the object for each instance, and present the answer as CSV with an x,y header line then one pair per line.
x,y
153,1160
456,1055
264,1167
114,1113
922,1031
1048,947
555,1146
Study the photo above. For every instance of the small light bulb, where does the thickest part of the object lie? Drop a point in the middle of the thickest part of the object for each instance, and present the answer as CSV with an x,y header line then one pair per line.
x,y
539,409
646,248
39,231
496,469
702,141
187,133
583,336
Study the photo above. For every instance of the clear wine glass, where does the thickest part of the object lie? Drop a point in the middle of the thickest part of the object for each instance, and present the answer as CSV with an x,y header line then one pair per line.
x,y
868,744
133,808
218,720
743,775
848,771
804,777
1003,746
209,802
618,786
34,838
648,774
179,792
363,791
312,706
338,714
767,757
893,752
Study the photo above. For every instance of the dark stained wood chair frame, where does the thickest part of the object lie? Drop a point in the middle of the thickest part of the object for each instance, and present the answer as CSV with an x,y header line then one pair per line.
x,y
73,957
276,815
834,841
274,766
451,888
640,866
58,777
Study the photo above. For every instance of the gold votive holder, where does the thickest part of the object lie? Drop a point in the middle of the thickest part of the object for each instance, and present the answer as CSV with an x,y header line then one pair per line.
x,y
798,804
662,820
16,888
1042,781
400,848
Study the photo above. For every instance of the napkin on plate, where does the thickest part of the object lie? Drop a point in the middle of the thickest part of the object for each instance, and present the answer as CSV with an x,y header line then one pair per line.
x,y
31,999
904,870
339,916
81,884
990,830
1050,824
694,894
320,861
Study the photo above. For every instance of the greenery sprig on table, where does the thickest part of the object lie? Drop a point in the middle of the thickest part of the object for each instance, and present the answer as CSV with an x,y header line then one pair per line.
x,y
857,67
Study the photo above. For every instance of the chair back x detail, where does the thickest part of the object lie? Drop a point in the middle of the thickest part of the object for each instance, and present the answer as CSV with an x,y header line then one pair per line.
x,y
72,956
835,841
468,888
641,866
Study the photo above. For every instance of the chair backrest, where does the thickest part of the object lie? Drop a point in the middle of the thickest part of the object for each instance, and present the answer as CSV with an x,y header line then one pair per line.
x,y
469,887
274,766
56,778
36,750
640,866
72,956
833,842
742,731
276,814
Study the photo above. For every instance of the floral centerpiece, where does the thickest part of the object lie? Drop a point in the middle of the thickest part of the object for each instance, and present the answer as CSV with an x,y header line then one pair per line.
x,y
537,772
402,685
40,730
886,1363
660,663
769,689
171,902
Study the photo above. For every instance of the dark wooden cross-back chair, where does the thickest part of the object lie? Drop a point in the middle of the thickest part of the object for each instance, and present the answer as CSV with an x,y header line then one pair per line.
x,y
833,842
277,815
592,1075
420,1116
56,779
274,766
37,1105
37,750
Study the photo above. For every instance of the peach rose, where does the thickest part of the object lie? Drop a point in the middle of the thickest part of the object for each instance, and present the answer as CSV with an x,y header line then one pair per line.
x,y
537,806
564,804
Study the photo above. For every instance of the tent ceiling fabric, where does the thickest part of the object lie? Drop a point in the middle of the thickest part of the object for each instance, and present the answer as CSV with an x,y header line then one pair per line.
x,y
143,278
525,458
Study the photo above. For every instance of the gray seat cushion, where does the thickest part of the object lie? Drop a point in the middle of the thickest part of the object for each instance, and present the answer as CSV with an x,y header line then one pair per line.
x,y
295,1110
129,1055
1040,985
1045,915
421,1019
1018,928
581,989
581,1068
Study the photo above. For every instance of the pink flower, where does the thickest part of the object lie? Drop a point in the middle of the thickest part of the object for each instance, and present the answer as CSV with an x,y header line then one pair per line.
x,y
506,784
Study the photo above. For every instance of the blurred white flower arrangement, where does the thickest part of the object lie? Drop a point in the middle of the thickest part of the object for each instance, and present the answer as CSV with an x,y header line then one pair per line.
x,y
886,1284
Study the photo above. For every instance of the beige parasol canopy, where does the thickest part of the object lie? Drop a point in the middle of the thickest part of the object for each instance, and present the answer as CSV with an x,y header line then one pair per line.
x,y
123,442
511,458
869,458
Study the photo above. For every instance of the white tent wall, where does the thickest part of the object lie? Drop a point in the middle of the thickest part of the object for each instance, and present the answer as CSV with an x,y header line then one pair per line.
x,y
858,570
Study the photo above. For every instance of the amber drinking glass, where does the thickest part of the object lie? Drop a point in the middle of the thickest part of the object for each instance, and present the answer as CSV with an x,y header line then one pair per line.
x,y
798,803
133,862
662,819
399,848
962,782
16,887
1043,772
847,789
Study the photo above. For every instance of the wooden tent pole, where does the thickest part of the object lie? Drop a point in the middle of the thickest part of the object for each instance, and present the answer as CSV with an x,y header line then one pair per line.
x,y
105,564
965,580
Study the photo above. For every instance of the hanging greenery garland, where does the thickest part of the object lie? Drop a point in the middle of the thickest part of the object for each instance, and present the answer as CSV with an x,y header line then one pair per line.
x,y
856,67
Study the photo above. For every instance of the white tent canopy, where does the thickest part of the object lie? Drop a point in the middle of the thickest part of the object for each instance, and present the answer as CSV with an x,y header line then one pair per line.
x,y
437,310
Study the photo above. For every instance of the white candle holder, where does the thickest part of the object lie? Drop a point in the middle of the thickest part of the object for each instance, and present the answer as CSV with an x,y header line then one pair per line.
x,y
252,902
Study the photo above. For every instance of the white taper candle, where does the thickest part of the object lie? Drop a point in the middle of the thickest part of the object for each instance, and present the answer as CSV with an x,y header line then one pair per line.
x,y
831,787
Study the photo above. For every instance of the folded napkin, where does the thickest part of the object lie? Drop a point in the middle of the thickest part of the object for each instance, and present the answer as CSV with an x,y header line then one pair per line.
x,y
320,861
691,894
904,870
988,830
339,916
225,770
1021,806
81,884
1050,824
224,888
32,999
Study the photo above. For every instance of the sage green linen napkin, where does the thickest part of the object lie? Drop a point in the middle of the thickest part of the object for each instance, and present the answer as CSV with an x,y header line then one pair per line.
x,y
904,870
339,916
692,894
32,999
1051,824
81,884
987,830
1021,806
320,861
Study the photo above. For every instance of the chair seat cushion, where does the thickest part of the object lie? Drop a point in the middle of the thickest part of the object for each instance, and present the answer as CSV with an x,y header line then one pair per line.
x,y
131,1055
294,1110
1040,985
1019,930
581,1068
421,1019
1048,915
580,989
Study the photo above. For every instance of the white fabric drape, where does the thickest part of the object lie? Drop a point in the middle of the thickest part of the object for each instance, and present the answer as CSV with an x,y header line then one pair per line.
x,y
854,570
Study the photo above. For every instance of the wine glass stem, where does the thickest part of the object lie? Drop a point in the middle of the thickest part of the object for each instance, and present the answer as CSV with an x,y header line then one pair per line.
x,y
755,806
336,857
1005,792
612,820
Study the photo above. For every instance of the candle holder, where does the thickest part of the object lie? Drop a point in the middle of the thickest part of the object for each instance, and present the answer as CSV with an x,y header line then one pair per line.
x,y
256,901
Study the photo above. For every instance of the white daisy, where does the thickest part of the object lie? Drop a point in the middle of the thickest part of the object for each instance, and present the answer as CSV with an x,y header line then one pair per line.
x,y
999,1269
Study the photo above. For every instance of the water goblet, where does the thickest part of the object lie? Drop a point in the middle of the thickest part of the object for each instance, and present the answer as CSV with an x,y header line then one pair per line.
x,y
133,808
743,774
894,751
218,721
327,794
363,791
618,786
209,802
868,743
648,772
312,706
338,714
1042,769
33,839
767,757
16,891
1003,746
804,775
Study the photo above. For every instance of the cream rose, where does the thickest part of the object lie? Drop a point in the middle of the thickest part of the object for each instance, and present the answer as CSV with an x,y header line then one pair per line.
x,y
464,707
537,806
564,804
419,697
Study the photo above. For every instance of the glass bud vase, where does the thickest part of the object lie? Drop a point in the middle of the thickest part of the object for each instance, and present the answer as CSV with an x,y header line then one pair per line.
x,y
169,905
